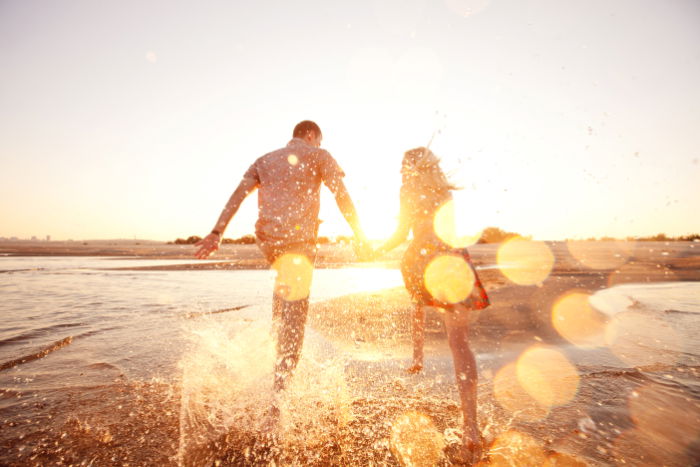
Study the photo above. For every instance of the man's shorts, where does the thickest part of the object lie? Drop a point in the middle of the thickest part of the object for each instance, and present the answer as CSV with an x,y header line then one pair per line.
x,y
294,263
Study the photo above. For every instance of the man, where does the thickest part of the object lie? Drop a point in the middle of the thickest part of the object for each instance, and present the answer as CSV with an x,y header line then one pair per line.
x,y
289,182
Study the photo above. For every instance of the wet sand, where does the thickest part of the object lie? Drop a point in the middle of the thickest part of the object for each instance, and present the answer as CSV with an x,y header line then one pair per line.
x,y
137,423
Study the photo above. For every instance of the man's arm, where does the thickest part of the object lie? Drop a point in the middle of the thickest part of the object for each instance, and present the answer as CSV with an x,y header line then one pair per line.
x,y
347,208
210,243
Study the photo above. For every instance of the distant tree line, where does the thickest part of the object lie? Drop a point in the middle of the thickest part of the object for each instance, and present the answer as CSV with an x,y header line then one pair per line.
x,y
496,235
661,237
489,235
250,240
191,240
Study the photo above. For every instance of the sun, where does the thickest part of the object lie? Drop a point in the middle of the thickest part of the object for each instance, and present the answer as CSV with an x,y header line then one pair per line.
x,y
377,223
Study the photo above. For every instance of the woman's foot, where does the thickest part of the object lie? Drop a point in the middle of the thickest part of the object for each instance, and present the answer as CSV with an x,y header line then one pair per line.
x,y
415,368
270,420
474,448
461,449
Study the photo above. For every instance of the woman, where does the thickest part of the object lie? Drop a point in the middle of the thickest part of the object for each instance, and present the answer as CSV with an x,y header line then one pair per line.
x,y
439,275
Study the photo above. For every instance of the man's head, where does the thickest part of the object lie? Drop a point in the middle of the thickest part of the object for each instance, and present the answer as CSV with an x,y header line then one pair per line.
x,y
309,132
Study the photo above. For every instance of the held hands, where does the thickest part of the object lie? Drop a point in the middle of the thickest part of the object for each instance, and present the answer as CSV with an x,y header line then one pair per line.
x,y
207,246
363,250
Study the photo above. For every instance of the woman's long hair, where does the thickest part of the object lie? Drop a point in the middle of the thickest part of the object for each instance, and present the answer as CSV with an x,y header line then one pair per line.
x,y
421,175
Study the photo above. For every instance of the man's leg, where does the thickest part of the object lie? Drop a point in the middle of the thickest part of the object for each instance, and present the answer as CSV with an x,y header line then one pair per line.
x,y
290,304
289,320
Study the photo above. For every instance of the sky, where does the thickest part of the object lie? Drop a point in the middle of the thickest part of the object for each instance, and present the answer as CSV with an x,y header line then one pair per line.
x,y
560,119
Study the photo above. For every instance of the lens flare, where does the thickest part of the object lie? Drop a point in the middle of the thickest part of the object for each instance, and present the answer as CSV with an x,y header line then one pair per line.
x,y
513,448
547,376
577,321
292,159
293,281
449,278
415,441
445,227
512,397
525,262
600,255
630,334
671,417
444,223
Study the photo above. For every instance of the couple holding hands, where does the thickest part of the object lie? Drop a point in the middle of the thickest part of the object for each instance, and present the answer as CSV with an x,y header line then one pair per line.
x,y
435,273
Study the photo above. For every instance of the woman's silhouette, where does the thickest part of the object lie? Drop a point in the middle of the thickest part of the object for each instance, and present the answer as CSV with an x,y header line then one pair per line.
x,y
438,274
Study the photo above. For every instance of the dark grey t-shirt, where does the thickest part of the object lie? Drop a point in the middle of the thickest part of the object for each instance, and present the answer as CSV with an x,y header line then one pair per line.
x,y
289,181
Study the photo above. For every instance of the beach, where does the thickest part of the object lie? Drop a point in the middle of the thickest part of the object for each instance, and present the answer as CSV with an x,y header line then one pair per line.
x,y
618,387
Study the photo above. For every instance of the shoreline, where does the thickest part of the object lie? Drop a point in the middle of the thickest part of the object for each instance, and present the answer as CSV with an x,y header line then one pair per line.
x,y
682,258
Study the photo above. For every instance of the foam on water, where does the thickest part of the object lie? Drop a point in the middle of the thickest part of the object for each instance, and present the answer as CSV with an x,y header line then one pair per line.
x,y
660,297
652,324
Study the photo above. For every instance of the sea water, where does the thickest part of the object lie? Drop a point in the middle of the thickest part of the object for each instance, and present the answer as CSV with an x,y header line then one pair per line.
x,y
157,366
132,320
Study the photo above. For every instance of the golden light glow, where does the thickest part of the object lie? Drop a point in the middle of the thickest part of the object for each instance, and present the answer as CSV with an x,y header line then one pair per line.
x,y
671,417
445,228
514,398
292,159
547,376
415,441
449,278
513,448
376,223
577,321
630,334
525,262
444,223
608,255
293,281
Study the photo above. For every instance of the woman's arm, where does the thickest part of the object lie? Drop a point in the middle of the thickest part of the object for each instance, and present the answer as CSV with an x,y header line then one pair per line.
x,y
401,232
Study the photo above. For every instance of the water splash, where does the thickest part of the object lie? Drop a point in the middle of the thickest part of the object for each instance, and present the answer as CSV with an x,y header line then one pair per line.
x,y
227,399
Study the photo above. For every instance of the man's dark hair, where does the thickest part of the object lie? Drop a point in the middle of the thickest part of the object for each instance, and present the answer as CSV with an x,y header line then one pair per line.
x,y
304,127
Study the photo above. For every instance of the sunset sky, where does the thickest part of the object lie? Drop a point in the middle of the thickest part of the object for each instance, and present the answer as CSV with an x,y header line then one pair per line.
x,y
137,119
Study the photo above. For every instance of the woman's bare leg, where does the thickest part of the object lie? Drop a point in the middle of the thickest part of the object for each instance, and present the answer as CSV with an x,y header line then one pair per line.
x,y
457,325
418,335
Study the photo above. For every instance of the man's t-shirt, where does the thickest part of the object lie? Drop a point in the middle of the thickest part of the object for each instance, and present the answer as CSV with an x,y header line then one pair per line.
x,y
289,181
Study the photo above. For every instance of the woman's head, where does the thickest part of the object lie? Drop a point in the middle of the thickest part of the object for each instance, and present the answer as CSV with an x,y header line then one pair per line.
x,y
421,168
418,160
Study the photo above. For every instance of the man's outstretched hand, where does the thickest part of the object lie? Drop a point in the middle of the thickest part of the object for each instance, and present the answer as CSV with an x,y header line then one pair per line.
x,y
207,246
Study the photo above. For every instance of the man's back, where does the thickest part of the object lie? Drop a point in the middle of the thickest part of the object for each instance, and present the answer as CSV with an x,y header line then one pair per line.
x,y
289,182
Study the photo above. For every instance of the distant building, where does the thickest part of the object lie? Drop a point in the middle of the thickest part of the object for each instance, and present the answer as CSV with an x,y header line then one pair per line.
x,y
48,238
34,239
